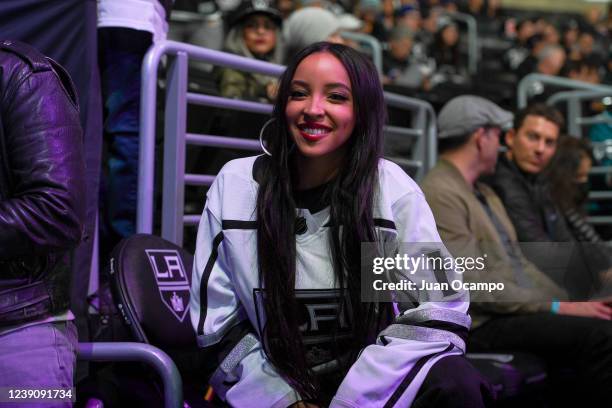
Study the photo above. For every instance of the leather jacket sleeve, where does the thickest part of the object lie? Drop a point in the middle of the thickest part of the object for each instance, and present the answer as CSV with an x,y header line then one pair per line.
x,y
42,191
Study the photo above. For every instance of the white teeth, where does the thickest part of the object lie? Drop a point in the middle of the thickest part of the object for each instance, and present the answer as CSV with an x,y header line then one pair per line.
x,y
315,131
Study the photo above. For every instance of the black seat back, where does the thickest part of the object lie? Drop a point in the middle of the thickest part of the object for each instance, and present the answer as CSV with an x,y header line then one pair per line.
x,y
150,280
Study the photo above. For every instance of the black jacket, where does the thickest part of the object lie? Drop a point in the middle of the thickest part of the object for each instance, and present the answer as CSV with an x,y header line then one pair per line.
x,y
41,172
529,205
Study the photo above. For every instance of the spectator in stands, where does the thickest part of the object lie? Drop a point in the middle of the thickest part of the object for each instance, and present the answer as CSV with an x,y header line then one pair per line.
x,y
254,33
42,211
256,264
370,12
569,185
398,65
450,6
126,30
549,60
285,7
450,63
519,51
518,179
409,16
570,40
586,43
585,70
307,26
472,221
388,15
430,27
550,34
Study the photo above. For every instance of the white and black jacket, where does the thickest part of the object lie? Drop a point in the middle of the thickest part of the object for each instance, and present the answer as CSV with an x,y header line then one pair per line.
x,y
226,305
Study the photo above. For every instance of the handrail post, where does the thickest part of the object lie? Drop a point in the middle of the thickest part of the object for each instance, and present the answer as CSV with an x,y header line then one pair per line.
x,y
141,352
146,165
173,197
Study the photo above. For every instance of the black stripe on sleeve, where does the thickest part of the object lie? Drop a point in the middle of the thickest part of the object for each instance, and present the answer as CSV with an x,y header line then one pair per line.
x,y
204,282
443,325
378,222
238,224
383,223
410,376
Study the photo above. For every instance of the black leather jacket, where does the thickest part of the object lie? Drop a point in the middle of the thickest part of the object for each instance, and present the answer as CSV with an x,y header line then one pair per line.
x,y
41,173
535,217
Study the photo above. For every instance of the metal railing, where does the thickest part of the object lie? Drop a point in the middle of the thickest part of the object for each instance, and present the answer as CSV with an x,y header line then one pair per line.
x,y
372,46
575,122
143,353
529,81
472,35
175,136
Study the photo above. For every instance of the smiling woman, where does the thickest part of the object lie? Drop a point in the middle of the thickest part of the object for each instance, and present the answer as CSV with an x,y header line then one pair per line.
x,y
277,278
320,117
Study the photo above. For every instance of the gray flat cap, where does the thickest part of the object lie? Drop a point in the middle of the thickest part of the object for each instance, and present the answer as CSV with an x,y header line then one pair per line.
x,y
464,114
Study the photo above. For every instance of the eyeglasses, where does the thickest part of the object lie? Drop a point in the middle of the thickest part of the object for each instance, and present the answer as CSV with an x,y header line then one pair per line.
x,y
255,25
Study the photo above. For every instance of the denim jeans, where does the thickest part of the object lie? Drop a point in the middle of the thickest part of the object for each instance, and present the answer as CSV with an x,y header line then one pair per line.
x,y
121,51
41,355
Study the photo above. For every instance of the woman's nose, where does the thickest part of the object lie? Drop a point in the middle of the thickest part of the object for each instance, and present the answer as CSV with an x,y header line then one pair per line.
x,y
314,107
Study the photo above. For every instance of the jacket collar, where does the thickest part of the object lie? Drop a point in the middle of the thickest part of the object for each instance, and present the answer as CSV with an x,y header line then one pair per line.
x,y
455,174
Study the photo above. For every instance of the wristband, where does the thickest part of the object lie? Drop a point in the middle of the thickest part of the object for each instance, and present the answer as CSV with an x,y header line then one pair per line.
x,y
554,306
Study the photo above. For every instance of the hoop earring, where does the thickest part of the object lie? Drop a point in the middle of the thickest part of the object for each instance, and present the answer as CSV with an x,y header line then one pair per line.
x,y
261,143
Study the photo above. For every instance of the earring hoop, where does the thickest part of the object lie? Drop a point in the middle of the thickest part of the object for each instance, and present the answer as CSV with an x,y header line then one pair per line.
x,y
261,143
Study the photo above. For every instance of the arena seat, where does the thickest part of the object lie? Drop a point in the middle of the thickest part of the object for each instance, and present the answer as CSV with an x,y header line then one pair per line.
x,y
150,279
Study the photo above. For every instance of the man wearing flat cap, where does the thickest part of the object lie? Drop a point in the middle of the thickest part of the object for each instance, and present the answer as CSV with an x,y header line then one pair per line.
x,y
529,314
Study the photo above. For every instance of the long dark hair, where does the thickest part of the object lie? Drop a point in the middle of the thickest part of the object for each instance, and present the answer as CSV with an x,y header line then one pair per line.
x,y
562,172
351,206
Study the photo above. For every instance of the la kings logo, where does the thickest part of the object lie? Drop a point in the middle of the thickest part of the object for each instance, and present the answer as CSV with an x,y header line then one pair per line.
x,y
324,323
172,282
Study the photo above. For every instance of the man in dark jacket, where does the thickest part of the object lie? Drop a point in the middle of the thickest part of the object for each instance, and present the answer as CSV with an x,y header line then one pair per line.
x,y
541,227
41,217
518,177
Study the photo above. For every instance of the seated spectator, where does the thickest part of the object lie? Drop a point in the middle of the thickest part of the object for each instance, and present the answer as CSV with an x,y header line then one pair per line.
x,y
519,51
451,66
256,285
472,221
370,12
307,26
254,33
42,212
398,65
585,70
550,34
519,181
429,26
388,15
409,16
545,60
570,40
569,185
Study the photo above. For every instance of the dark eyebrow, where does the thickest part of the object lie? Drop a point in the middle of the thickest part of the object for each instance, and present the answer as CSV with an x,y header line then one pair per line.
x,y
327,86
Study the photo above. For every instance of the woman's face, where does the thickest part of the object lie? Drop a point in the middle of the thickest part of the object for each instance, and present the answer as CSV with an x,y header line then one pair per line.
x,y
319,111
582,173
259,34
450,36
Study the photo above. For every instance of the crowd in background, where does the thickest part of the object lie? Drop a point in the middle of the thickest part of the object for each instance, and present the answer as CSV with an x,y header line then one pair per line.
x,y
425,45
425,52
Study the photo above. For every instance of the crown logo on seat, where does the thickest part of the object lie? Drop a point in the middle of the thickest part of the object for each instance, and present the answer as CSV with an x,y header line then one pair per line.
x,y
177,302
